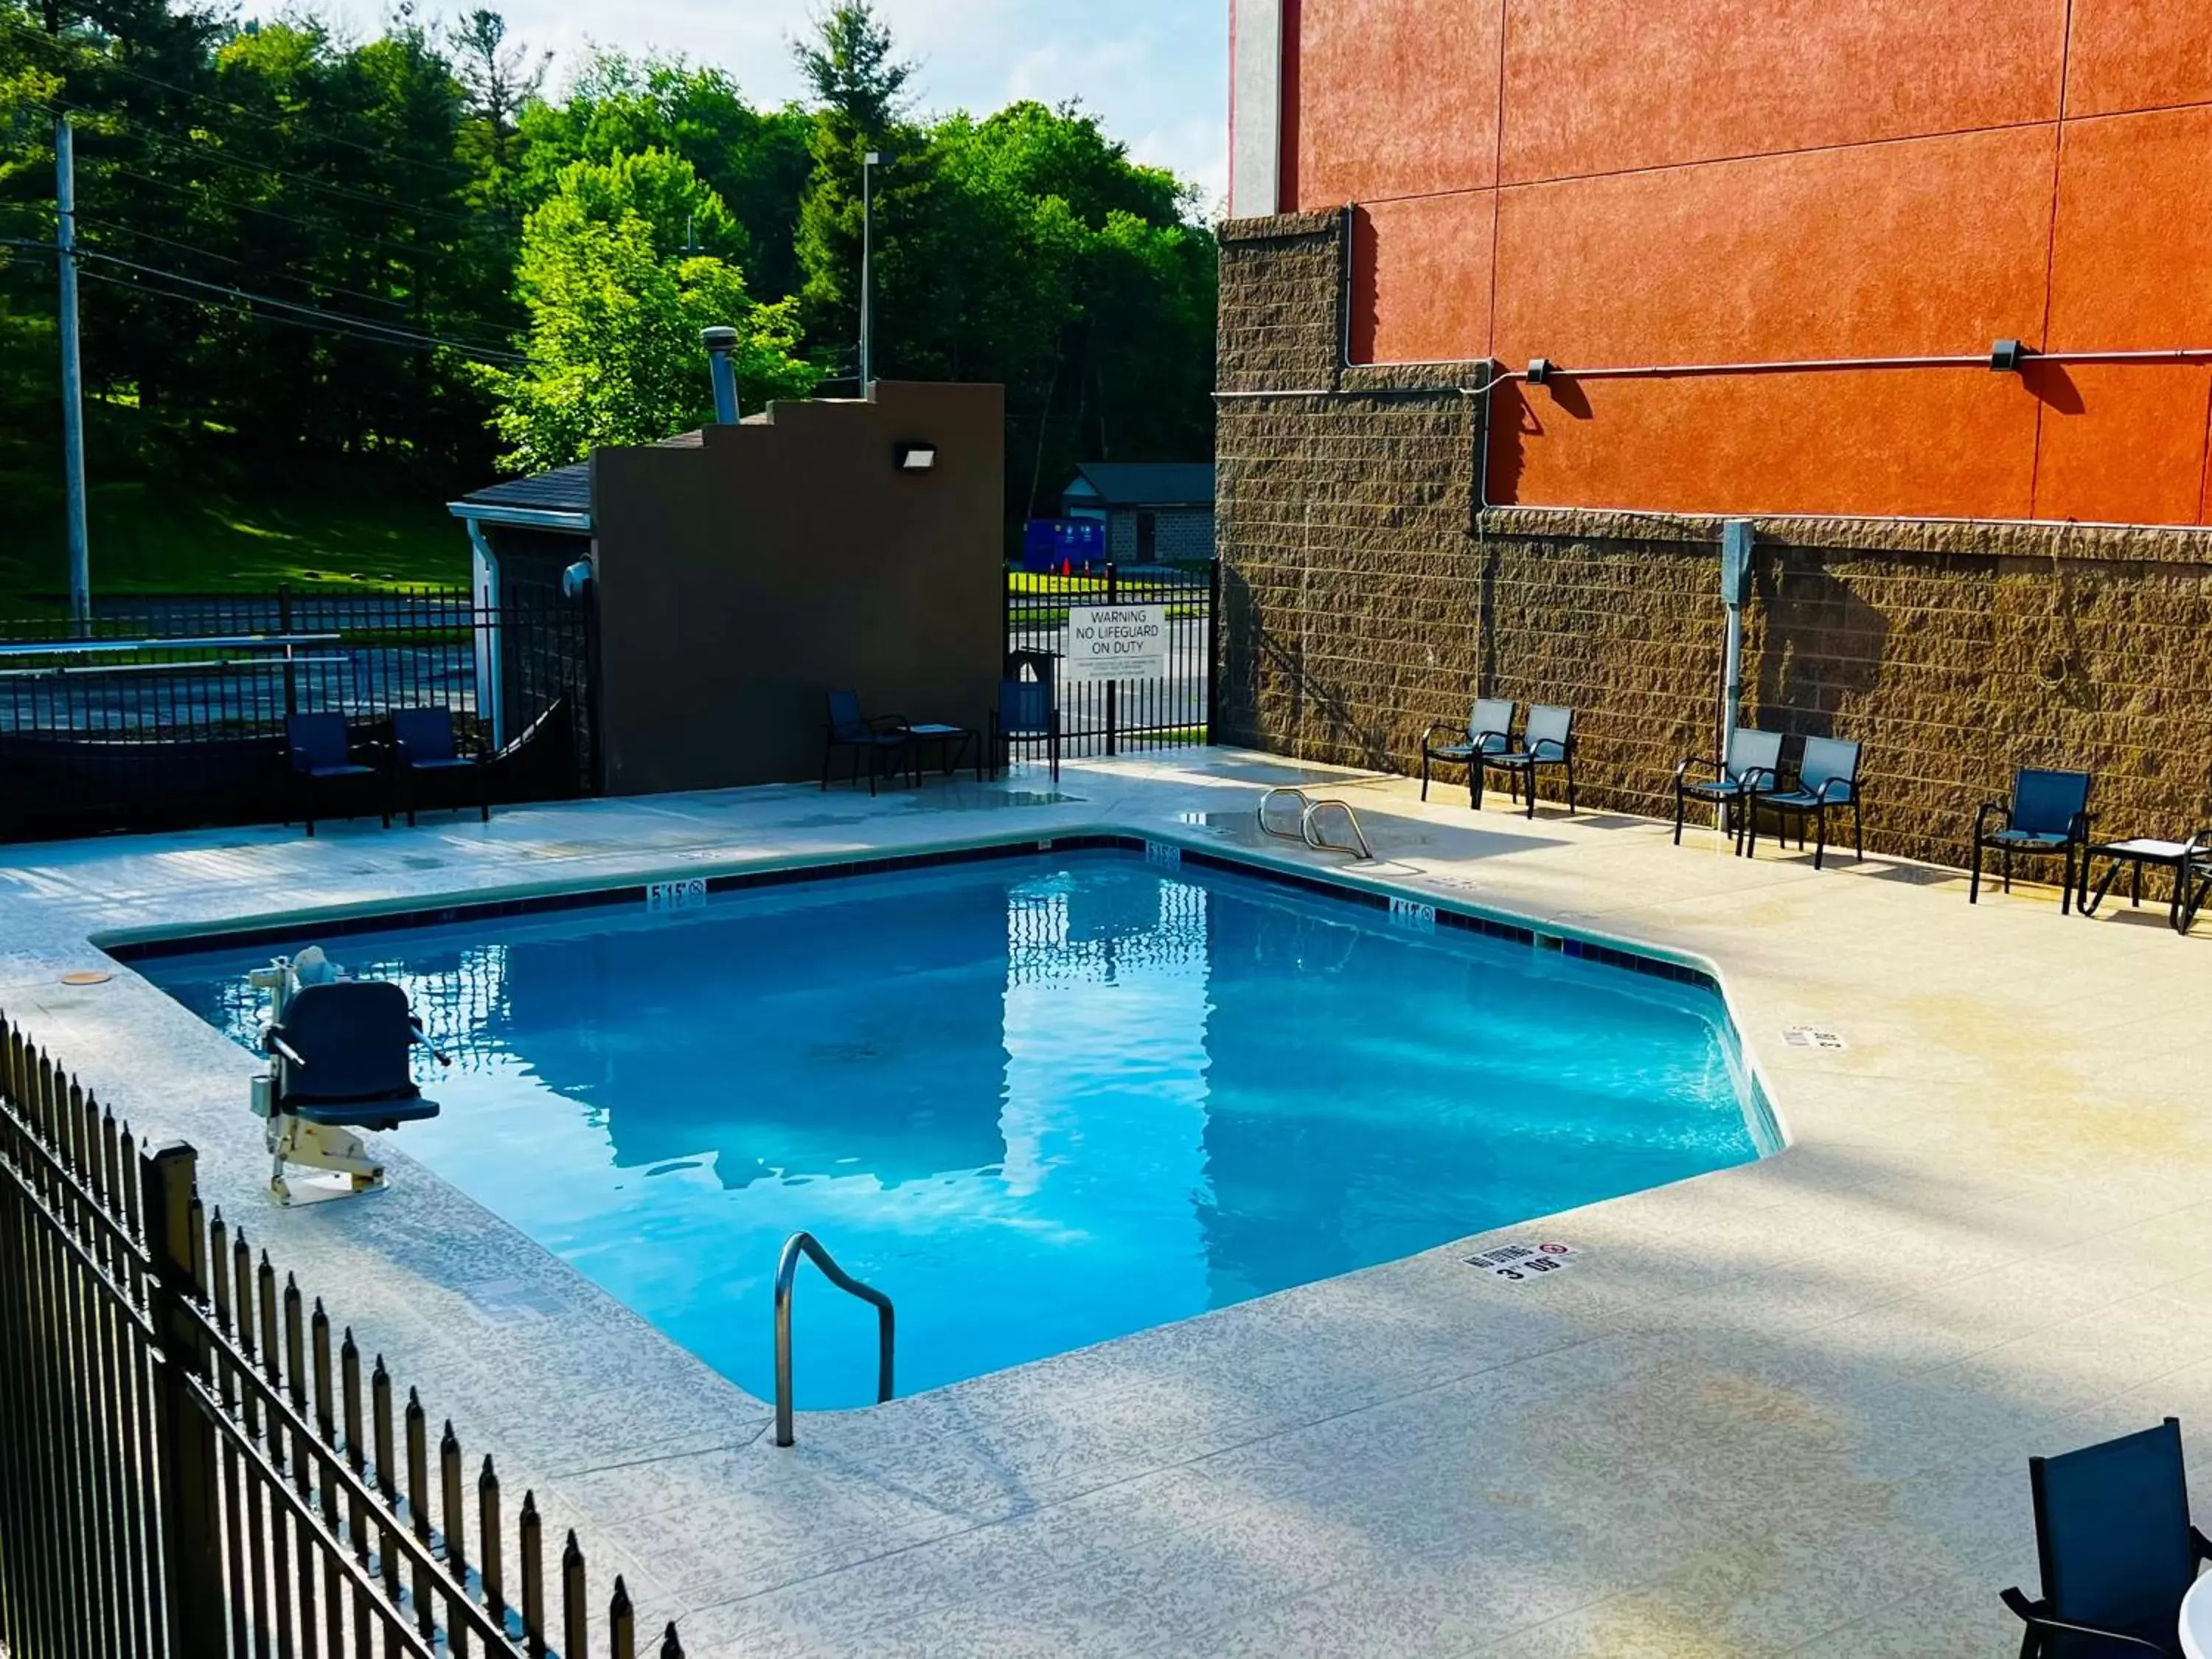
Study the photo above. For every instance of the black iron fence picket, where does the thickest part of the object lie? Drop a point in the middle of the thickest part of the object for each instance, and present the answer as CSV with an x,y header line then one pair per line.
x,y
1167,710
193,1467
171,711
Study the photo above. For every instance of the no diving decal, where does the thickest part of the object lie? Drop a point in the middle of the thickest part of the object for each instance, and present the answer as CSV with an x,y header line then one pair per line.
x,y
1517,1264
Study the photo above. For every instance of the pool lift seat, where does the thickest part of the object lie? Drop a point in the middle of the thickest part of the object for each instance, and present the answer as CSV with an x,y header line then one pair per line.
x,y
338,1051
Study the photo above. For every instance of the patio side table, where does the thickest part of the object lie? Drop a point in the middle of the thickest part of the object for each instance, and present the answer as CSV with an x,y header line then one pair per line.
x,y
2178,857
955,745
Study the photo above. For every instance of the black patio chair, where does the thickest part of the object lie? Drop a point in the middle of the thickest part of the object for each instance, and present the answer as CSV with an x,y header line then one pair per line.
x,y
881,738
2193,882
1827,776
423,750
1548,740
1025,713
2048,813
1489,729
320,756
2116,1549
1751,763
341,1051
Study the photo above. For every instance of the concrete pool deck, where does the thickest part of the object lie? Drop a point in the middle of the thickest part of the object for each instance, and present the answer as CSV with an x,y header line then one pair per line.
x,y
1781,1408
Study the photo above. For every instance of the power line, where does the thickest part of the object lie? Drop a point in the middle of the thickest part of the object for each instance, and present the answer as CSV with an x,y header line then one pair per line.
x,y
133,286
398,250
206,152
464,324
454,168
390,332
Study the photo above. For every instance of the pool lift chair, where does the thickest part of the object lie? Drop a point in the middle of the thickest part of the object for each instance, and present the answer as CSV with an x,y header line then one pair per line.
x,y
338,1051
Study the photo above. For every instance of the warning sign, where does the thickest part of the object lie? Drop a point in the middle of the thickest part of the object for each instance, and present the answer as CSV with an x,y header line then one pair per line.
x,y
1517,1263
1117,642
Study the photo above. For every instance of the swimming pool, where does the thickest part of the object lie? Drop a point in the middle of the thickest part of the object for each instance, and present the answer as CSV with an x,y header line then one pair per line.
x,y
1039,1101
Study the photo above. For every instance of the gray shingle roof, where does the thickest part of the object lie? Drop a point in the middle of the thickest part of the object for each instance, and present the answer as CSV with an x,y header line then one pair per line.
x,y
1150,483
564,490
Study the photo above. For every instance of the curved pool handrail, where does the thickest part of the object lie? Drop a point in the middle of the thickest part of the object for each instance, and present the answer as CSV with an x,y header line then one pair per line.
x,y
787,1273
1268,829
1309,810
1357,844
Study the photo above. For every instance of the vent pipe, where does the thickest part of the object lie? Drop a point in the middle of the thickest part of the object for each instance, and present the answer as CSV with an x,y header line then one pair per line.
x,y
720,342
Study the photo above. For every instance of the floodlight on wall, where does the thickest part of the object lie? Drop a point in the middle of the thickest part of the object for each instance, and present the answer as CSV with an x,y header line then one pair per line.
x,y
1541,369
2006,356
916,457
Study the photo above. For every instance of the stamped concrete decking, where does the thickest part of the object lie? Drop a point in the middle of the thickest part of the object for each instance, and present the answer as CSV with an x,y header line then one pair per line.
x,y
1784,1407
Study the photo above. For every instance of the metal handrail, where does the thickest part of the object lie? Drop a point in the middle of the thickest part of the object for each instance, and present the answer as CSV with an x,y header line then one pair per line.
x,y
787,1271
1307,832
1283,789
1358,842
188,643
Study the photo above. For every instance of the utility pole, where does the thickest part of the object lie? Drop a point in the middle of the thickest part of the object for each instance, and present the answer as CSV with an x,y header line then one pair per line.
x,y
79,565
869,163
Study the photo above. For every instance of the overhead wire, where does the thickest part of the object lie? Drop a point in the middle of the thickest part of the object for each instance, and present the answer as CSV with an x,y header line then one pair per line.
x,y
491,333
390,332
398,250
204,151
455,169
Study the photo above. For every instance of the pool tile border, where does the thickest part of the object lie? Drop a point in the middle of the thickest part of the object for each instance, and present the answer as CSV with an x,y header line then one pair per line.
x,y
444,915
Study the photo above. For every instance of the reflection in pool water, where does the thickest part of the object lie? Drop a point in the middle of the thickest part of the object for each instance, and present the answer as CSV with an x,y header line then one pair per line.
x,y
1041,1102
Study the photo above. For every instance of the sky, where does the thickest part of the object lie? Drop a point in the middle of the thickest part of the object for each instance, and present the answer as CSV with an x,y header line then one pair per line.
x,y
1155,70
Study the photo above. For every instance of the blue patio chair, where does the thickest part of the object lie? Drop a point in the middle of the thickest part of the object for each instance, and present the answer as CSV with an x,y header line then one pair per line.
x,y
881,738
341,1051
423,749
1489,730
320,756
1548,739
1025,713
2048,813
1827,776
2116,1549
1751,763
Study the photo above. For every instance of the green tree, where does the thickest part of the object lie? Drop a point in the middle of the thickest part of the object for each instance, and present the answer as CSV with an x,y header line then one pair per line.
x,y
756,160
854,69
616,307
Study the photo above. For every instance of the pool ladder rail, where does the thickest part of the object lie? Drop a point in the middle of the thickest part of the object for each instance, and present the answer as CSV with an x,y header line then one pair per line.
x,y
1309,829
786,1273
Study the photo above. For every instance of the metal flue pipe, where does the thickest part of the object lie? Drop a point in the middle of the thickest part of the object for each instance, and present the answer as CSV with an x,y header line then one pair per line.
x,y
720,341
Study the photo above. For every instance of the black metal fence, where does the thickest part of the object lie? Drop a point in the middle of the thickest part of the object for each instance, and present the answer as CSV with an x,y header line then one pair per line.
x,y
170,711
1174,708
189,1470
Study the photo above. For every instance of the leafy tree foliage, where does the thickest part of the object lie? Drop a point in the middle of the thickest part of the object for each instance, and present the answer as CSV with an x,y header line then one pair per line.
x,y
451,262
618,297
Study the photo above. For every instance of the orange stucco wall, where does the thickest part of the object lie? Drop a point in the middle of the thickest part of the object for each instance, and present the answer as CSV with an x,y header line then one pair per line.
x,y
1628,182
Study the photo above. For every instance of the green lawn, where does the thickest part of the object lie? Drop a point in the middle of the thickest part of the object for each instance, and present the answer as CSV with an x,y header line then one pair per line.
x,y
172,538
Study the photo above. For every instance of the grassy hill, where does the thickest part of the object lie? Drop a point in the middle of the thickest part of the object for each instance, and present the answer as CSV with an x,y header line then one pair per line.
x,y
168,519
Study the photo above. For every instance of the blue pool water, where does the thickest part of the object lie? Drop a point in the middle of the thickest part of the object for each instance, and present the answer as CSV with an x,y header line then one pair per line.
x,y
1040,1101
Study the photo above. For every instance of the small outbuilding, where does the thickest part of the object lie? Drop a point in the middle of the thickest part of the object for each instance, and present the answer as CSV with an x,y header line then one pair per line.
x,y
1155,512
732,577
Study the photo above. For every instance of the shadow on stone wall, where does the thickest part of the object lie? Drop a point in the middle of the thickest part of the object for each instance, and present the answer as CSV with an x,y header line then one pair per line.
x,y
1820,644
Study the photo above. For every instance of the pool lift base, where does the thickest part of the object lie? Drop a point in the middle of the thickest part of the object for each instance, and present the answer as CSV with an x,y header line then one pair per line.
x,y
338,1157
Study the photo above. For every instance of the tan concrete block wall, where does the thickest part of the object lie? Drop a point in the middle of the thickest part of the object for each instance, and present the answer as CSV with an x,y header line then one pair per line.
x,y
1364,598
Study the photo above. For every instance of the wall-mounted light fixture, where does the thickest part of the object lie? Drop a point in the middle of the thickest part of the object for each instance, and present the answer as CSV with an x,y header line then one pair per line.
x,y
2006,356
916,457
1541,369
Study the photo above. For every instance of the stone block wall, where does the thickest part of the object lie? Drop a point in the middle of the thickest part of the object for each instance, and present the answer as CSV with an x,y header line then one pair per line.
x,y
1365,597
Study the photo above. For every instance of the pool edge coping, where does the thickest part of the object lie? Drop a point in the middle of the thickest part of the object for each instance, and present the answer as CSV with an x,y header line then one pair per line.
x,y
1763,1109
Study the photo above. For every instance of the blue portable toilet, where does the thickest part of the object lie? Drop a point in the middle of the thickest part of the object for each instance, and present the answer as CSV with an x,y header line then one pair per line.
x,y
1049,544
